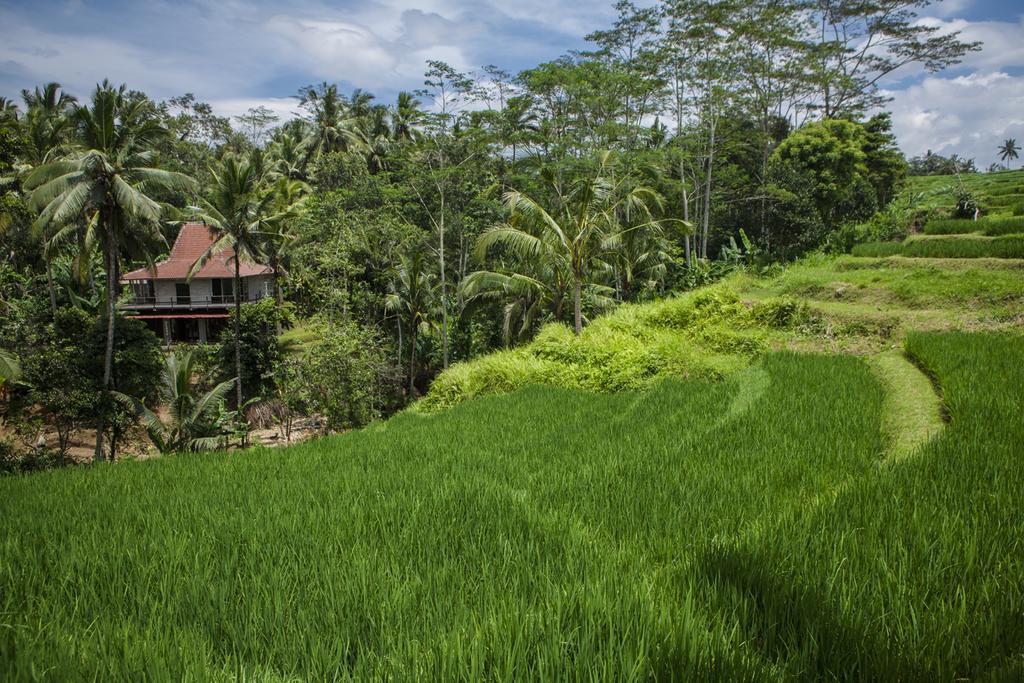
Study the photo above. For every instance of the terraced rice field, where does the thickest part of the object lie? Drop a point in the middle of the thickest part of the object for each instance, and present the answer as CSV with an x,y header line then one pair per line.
x,y
998,193
836,495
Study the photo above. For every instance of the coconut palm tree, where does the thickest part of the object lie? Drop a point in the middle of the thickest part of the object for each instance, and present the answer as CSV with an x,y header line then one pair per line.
x,y
46,125
8,109
241,211
413,299
404,117
330,119
574,225
1009,150
289,196
192,415
288,151
101,187
518,120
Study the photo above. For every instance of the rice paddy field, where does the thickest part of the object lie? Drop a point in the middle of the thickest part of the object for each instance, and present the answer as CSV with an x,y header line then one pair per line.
x,y
815,475
997,193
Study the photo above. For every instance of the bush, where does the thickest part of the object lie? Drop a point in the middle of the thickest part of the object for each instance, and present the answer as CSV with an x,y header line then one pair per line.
x,y
705,334
348,377
260,350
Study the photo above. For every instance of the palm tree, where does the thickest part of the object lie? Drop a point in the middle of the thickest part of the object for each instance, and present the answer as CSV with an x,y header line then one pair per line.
x,y
413,298
405,116
101,185
289,195
8,109
192,416
240,211
518,120
46,125
580,218
288,151
331,124
1009,150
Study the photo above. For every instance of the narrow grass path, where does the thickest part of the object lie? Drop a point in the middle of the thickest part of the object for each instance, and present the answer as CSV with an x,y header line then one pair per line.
x,y
911,410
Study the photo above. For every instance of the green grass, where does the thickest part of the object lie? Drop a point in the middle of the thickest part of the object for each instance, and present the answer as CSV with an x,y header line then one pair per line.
x,y
915,572
878,249
757,528
912,412
951,246
992,226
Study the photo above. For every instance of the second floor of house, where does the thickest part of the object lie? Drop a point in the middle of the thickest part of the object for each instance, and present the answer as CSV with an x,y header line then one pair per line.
x,y
195,293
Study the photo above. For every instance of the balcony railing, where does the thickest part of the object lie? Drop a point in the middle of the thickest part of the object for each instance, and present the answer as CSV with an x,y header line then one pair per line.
x,y
186,302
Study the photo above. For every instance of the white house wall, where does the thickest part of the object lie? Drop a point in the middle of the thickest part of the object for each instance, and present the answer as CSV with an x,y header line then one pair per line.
x,y
201,289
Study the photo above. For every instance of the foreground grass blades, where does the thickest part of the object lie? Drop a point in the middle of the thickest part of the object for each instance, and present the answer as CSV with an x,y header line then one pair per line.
x,y
749,529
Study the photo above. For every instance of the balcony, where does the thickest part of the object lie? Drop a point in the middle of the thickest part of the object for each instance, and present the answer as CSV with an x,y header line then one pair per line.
x,y
137,303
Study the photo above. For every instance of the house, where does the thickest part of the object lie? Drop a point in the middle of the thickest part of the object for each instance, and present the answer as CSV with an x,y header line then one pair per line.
x,y
180,309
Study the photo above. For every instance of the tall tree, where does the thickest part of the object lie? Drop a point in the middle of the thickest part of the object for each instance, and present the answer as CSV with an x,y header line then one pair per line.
x,y
241,211
103,184
289,195
861,42
579,218
412,298
1009,150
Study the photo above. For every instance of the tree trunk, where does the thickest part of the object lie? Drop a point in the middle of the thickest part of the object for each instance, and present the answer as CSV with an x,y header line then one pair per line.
x,y
412,359
108,355
686,216
444,291
238,332
278,294
707,191
577,308
49,284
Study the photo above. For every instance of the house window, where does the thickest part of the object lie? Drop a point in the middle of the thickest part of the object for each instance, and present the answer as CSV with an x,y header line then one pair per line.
x,y
222,289
182,293
143,292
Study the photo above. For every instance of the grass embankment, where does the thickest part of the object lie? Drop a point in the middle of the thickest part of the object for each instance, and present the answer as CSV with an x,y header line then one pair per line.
x,y
738,530
993,226
845,304
943,246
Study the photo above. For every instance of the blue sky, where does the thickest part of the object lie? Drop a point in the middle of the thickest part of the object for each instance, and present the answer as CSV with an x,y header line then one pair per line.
x,y
237,54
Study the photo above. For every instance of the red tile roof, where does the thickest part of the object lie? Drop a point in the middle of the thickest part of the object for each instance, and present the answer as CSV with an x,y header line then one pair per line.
x,y
193,240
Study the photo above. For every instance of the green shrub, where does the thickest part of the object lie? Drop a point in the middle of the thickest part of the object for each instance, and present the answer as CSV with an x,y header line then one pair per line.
x,y
706,334
347,375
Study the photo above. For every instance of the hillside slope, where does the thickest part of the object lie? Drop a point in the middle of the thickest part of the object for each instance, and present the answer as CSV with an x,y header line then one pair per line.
x,y
846,304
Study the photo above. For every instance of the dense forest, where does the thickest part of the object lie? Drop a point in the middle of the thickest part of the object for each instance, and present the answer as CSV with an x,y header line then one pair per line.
x,y
404,236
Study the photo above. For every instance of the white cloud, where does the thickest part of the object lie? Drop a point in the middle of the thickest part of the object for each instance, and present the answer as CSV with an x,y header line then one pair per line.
x,y
285,107
969,115
1002,45
336,49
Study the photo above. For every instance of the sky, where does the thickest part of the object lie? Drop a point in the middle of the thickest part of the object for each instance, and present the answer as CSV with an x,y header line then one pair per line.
x,y
236,54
